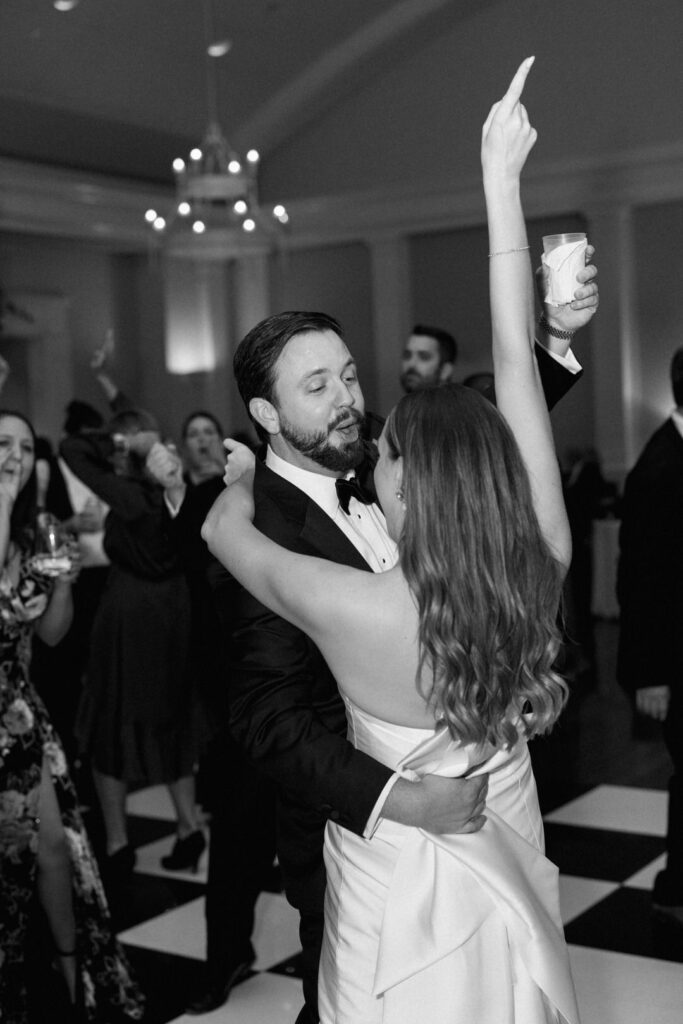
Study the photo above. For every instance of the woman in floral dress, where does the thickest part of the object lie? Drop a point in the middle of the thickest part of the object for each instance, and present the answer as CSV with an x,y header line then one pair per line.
x,y
45,855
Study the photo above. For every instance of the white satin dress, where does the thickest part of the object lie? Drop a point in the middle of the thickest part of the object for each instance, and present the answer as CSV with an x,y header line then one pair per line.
x,y
461,929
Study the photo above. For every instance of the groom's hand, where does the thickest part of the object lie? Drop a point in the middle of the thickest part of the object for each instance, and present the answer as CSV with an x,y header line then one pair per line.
x,y
439,805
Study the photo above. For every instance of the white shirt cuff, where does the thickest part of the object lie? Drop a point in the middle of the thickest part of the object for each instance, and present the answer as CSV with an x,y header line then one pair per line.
x,y
376,814
173,510
569,361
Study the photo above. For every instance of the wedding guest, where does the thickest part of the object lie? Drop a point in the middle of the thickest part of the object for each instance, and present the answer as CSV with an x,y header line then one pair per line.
x,y
650,592
45,856
136,719
240,799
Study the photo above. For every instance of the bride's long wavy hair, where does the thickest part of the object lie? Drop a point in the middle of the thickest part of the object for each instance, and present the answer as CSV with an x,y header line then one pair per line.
x,y
486,585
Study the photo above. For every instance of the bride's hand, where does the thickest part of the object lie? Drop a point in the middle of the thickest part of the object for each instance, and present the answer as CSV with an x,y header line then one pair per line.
x,y
235,504
507,137
240,460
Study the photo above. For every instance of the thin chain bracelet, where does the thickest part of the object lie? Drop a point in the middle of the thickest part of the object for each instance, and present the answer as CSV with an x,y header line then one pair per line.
x,y
506,252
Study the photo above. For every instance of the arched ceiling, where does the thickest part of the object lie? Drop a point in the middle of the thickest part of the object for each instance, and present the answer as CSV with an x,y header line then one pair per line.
x,y
120,86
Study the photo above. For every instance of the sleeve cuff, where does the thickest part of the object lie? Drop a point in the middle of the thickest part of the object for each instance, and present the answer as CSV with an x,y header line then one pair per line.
x,y
173,510
568,361
376,814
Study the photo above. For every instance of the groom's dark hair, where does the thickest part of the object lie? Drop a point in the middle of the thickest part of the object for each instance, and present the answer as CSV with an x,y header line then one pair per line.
x,y
257,353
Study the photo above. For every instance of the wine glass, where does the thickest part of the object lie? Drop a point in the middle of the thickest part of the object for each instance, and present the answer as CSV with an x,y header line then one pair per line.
x,y
52,555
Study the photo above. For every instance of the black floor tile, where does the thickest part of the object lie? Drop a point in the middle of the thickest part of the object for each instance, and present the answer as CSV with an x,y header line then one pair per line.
x,y
169,982
599,853
624,922
145,896
142,831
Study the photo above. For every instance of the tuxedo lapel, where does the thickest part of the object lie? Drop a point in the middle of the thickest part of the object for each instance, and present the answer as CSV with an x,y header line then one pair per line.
x,y
318,533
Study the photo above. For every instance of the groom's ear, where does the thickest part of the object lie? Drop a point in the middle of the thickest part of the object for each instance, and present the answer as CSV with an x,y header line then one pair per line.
x,y
265,414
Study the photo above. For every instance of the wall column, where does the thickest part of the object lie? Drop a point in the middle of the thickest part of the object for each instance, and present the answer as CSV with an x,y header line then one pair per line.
x,y
391,308
616,357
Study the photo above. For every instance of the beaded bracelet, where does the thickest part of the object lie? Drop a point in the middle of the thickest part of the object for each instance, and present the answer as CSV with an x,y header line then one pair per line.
x,y
506,252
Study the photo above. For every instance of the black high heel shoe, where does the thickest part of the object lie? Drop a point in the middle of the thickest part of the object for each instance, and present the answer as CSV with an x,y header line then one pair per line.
x,y
119,866
185,853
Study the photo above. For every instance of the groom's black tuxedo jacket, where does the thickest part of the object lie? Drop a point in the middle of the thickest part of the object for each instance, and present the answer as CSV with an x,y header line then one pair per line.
x,y
285,708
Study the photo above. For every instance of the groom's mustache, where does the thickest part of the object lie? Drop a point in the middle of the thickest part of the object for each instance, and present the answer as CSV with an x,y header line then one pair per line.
x,y
345,419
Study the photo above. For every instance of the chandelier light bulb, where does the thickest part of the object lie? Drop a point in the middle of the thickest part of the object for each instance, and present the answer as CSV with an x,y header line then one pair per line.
x,y
240,207
184,209
219,48
253,156
178,165
249,224
199,227
234,167
159,224
196,154
279,211
64,5
151,216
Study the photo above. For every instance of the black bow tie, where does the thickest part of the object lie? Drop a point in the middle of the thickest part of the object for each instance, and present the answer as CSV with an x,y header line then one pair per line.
x,y
347,489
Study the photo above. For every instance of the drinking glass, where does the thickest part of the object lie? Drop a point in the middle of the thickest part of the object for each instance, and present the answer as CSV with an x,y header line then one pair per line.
x,y
52,555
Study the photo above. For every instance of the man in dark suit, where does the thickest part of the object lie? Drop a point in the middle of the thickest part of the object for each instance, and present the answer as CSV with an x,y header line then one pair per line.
x,y
298,380
650,591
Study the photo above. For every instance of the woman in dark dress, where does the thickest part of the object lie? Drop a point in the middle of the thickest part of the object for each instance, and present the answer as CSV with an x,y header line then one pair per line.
x,y
45,855
136,719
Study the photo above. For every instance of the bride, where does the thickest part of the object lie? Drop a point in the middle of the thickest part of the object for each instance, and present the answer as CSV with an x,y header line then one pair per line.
x,y
445,665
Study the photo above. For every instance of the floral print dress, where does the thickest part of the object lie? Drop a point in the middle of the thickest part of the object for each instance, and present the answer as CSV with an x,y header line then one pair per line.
x,y
26,739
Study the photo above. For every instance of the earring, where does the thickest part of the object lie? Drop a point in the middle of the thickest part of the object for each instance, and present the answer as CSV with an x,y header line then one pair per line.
x,y
401,496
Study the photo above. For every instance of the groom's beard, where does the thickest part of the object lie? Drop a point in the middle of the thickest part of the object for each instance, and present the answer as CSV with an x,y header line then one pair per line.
x,y
315,444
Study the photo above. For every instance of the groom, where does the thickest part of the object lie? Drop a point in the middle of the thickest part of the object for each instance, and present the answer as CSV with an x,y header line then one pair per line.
x,y
299,383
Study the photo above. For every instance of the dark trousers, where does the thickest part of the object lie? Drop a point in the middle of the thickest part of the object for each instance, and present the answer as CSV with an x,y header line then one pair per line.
x,y
670,881
242,851
311,936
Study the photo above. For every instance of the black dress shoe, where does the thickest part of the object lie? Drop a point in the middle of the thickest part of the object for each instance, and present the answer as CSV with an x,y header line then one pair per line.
x,y
185,853
218,993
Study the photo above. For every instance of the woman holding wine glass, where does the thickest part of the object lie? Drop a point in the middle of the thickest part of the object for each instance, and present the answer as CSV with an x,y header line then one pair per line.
x,y
45,854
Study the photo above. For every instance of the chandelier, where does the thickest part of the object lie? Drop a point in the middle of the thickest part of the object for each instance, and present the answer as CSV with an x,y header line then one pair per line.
x,y
216,189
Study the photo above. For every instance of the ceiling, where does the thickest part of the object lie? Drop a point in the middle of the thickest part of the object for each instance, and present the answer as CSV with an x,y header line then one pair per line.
x,y
120,86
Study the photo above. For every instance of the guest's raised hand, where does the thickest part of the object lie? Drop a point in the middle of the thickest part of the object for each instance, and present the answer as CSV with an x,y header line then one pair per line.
x,y
507,137
10,478
103,353
164,464
240,460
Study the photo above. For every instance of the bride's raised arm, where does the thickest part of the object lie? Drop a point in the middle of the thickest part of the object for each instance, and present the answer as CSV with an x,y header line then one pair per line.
x,y
507,139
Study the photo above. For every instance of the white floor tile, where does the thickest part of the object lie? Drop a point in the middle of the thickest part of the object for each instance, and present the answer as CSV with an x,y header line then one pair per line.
x,y
276,930
645,878
614,988
578,894
149,861
264,999
620,808
153,802
180,931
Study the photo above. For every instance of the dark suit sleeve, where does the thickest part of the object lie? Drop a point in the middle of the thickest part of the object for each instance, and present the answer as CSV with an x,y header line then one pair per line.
x,y
556,379
286,712
649,577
